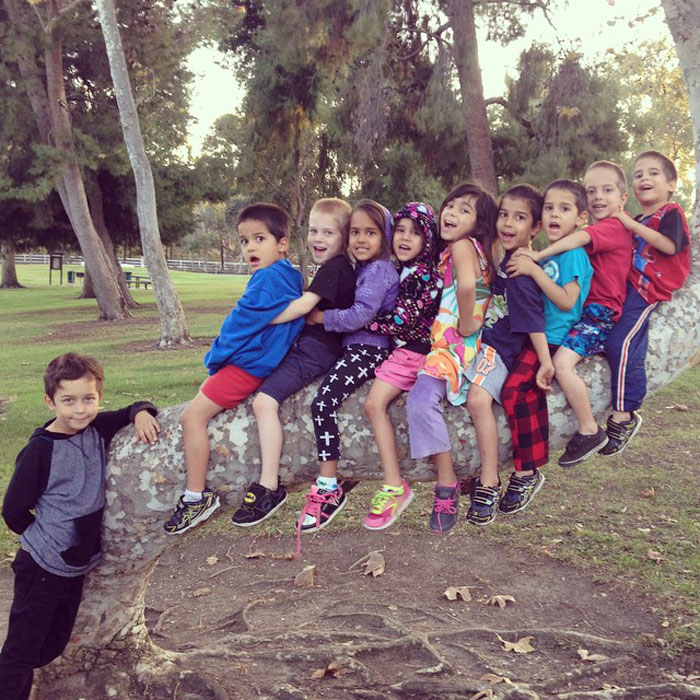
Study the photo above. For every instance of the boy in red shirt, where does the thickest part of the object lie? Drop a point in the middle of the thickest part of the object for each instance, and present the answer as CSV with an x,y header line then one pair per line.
x,y
607,243
660,265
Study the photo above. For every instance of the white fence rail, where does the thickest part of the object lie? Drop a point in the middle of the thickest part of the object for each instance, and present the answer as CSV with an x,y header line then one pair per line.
x,y
230,268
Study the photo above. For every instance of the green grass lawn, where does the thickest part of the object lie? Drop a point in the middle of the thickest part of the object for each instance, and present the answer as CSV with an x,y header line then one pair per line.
x,y
633,519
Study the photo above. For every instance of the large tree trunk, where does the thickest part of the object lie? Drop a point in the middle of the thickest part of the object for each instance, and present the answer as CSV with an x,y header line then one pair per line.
x,y
9,270
173,330
466,55
50,108
96,203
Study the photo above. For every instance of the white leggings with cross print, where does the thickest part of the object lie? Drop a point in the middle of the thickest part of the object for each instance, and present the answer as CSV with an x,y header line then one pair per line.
x,y
349,373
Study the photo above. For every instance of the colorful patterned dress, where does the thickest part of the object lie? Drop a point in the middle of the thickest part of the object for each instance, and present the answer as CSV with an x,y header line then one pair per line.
x,y
451,353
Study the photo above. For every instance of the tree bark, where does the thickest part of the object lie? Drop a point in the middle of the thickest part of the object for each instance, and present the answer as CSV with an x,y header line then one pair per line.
x,y
466,54
9,269
50,108
172,317
96,203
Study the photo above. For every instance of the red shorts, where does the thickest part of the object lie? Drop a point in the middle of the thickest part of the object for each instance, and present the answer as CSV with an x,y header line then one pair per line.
x,y
229,386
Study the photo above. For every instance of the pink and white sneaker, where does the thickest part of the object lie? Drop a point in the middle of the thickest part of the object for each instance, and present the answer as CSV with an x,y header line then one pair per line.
x,y
387,504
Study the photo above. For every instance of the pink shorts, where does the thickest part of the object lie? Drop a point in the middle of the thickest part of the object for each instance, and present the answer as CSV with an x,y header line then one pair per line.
x,y
229,386
401,368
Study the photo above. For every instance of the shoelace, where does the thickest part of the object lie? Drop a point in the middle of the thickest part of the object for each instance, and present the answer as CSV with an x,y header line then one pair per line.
x,y
314,500
382,499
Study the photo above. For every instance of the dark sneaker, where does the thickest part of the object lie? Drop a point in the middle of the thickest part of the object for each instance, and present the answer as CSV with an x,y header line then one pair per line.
x,y
484,504
259,504
619,434
320,508
445,508
520,492
581,447
188,514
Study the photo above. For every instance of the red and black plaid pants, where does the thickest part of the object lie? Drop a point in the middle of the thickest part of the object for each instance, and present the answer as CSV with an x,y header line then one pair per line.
x,y
526,408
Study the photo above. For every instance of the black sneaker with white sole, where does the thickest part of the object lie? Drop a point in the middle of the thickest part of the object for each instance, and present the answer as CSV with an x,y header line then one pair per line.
x,y
581,447
259,504
620,434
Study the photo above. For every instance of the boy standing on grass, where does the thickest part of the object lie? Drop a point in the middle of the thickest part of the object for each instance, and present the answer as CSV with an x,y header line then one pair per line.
x,y
55,501
608,244
514,317
564,280
248,348
660,266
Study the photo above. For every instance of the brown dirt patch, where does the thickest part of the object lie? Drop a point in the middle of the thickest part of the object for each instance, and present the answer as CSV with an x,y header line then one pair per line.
x,y
396,635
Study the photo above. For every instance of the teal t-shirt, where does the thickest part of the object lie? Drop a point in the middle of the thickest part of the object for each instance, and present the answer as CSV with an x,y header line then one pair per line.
x,y
572,266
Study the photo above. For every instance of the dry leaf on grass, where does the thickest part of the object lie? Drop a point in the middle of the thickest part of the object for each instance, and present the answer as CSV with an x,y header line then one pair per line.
x,y
305,578
454,592
586,656
374,563
655,556
337,668
649,493
522,646
500,600
259,554
212,560
680,407
200,592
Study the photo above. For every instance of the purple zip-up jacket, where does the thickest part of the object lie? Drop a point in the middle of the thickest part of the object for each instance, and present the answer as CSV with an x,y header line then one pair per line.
x,y
376,290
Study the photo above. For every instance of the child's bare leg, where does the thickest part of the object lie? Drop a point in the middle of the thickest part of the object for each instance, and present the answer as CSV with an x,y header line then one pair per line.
x,y
194,420
480,406
267,415
376,407
444,467
574,388
329,469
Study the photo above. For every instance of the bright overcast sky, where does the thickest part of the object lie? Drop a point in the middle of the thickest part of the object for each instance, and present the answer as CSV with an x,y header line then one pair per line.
x,y
590,26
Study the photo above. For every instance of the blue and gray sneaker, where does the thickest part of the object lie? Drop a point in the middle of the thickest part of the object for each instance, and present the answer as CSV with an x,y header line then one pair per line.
x,y
484,505
520,492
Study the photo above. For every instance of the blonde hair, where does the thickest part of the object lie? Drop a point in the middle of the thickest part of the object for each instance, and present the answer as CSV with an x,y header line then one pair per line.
x,y
615,168
340,210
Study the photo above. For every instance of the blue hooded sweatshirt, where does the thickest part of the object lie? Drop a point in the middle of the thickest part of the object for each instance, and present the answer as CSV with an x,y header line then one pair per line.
x,y
246,339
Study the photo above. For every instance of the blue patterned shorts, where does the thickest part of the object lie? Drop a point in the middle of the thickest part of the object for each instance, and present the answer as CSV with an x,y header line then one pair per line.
x,y
587,337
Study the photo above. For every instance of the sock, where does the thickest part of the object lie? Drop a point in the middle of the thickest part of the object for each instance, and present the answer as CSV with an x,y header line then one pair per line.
x,y
191,496
327,483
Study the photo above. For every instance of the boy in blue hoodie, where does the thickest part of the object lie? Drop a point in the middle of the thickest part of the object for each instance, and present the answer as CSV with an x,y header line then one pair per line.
x,y
247,349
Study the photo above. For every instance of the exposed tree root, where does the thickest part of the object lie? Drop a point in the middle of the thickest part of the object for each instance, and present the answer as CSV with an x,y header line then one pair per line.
x,y
658,691
588,671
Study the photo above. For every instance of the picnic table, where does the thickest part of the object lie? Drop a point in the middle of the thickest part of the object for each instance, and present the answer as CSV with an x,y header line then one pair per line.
x,y
136,280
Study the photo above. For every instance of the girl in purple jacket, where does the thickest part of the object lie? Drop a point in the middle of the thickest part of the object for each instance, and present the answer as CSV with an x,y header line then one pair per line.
x,y
376,290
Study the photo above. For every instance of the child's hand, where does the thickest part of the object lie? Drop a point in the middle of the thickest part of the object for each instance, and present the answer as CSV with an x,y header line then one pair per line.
x,y
521,265
315,316
544,376
625,218
146,427
526,253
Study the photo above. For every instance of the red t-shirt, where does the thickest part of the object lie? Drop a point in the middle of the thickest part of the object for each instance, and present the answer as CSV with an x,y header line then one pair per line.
x,y
654,274
610,253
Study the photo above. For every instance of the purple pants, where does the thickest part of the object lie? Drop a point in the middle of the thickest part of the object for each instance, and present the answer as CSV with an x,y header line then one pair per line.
x,y
427,431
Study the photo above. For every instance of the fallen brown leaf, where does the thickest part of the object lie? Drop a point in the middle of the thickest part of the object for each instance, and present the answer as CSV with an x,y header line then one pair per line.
x,y
488,693
454,592
493,679
649,493
320,673
212,560
680,407
259,554
373,562
200,592
500,600
586,656
655,556
305,578
284,555
522,646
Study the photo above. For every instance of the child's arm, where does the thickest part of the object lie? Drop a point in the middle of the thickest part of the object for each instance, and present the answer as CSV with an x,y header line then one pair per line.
x,y
142,414
563,297
298,307
658,240
465,262
410,309
545,373
577,239
28,482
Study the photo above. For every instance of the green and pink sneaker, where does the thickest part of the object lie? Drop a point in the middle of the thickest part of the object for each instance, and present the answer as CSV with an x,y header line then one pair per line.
x,y
387,504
